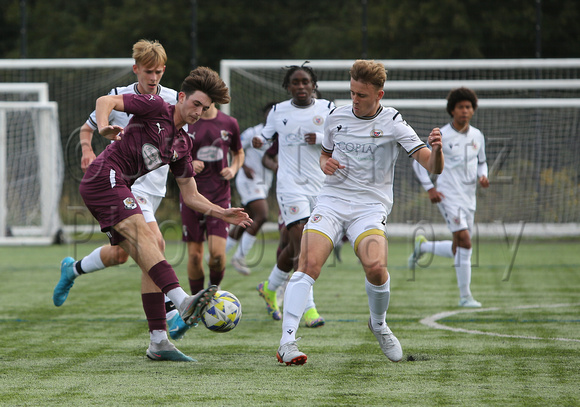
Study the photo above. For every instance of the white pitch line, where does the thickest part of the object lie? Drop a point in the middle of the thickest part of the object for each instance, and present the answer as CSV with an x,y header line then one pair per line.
x,y
431,322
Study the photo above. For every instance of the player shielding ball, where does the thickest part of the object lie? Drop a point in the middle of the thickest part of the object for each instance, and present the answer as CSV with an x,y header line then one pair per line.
x,y
154,137
359,150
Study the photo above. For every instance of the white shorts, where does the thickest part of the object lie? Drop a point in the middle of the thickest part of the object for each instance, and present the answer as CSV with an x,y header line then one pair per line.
x,y
334,218
251,189
457,217
149,204
295,207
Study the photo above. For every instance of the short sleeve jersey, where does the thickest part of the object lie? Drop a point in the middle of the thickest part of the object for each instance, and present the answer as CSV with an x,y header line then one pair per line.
x,y
462,152
368,148
212,141
298,162
153,183
150,141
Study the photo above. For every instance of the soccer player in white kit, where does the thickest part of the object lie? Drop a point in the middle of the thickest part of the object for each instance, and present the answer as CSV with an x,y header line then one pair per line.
x,y
299,123
359,152
253,184
465,167
150,59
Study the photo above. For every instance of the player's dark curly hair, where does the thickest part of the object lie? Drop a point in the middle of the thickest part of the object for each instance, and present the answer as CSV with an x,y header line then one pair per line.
x,y
293,68
459,95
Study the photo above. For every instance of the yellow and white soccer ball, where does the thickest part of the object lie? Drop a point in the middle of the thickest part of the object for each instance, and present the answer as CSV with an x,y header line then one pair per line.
x,y
223,313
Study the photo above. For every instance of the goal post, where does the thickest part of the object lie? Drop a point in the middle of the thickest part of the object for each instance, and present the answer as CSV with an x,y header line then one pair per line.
x,y
31,172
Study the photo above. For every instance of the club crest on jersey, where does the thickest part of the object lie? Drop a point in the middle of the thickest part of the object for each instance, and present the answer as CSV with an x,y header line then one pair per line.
x,y
376,133
129,203
316,218
456,220
225,135
293,210
318,120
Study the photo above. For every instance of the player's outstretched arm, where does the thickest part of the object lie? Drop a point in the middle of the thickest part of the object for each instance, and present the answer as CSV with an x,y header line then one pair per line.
x,y
196,201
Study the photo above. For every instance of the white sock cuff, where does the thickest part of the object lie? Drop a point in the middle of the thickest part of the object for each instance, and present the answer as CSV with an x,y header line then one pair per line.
x,y
378,288
93,261
298,275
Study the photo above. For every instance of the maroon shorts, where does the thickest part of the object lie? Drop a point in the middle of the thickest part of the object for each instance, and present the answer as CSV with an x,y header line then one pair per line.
x,y
197,226
108,198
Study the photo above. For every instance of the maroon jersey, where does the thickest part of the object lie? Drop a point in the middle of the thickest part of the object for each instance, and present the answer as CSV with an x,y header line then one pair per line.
x,y
150,140
212,141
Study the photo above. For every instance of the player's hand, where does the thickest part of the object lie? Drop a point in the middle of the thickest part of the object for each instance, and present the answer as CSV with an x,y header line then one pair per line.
x,y
435,139
257,142
248,172
228,173
198,166
111,132
484,181
237,216
435,196
331,165
86,160
310,138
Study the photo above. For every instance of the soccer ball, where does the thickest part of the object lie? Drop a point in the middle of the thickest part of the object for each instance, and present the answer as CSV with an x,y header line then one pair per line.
x,y
223,312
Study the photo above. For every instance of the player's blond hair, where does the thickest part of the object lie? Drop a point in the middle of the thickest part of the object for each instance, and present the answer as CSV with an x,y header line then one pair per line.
x,y
369,71
149,53
208,81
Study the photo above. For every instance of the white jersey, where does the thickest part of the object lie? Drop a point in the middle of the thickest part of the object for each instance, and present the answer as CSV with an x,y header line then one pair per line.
x,y
368,148
153,183
298,162
253,156
463,153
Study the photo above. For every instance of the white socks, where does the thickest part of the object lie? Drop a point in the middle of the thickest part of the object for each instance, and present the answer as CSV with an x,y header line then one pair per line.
x,y
246,243
277,278
379,296
230,244
295,299
157,336
443,248
463,270
177,295
92,262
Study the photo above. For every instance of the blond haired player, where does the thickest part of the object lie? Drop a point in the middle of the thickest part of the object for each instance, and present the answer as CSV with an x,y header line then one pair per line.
x,y
359,150
150,59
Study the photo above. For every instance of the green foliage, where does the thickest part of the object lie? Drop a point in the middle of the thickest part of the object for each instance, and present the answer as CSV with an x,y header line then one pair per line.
x,y
300,29
91,351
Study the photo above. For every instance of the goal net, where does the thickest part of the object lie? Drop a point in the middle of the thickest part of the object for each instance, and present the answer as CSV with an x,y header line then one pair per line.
x,y
529,111
31,172
75,85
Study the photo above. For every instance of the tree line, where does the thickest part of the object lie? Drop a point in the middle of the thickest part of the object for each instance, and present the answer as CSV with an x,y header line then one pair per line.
x,y
297,29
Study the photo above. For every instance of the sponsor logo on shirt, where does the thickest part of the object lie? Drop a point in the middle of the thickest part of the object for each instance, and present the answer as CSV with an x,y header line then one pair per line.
x,y
151,156
210,153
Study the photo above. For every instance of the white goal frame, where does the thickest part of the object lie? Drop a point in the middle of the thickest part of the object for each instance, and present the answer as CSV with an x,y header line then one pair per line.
x,y
50,175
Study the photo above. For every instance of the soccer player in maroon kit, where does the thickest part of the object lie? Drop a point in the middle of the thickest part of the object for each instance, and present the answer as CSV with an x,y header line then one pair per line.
x,y
214,136
153,137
